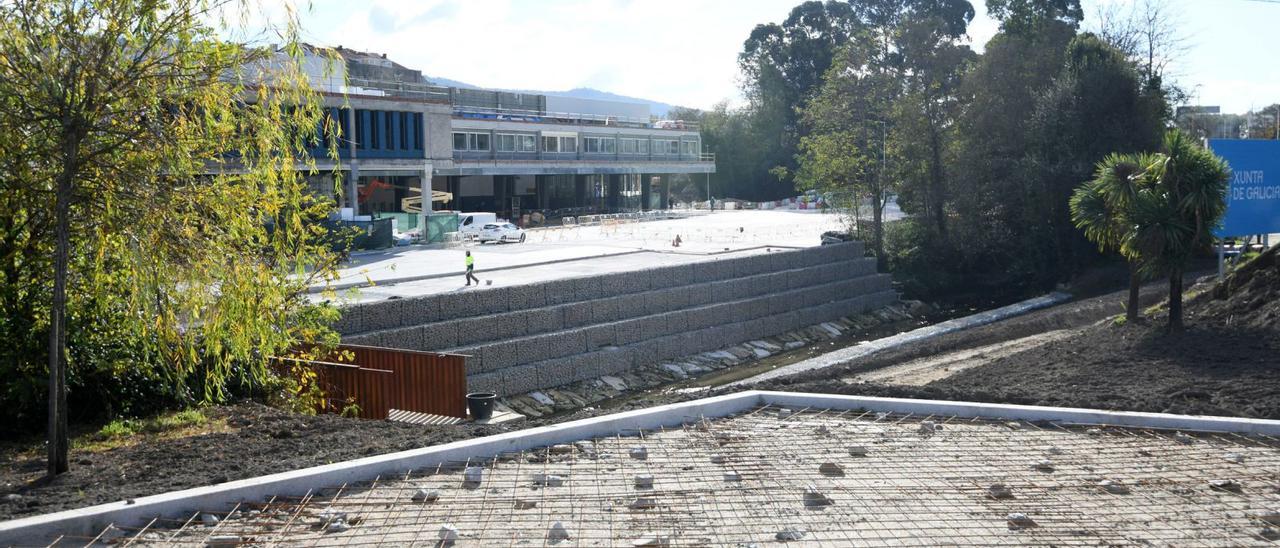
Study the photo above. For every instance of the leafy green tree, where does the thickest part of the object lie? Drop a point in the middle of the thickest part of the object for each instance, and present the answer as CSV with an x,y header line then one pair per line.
x,y
998,228
1176,214
1030,16
844,153
783,66
931,62
1157,209
1097,105
1103,209
161,176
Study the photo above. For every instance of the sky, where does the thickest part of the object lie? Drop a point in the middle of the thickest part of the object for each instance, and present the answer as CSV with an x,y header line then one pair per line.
x,y
684,52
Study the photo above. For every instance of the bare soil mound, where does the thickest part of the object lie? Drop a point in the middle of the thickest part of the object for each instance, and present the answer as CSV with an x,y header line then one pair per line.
x,y
1248,297
1227,362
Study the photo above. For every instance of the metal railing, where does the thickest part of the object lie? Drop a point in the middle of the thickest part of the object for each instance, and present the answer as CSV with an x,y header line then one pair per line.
x,y
403,89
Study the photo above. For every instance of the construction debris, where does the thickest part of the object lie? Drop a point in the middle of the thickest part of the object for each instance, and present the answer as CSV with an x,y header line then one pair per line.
x,y
790,534
1225,485
548,480
426,495
557,533
643,503
651,539
813,497
1018,520
1114,487
999,491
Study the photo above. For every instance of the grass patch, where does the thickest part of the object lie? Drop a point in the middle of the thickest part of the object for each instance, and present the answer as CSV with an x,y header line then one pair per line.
x,y
123,428
125,432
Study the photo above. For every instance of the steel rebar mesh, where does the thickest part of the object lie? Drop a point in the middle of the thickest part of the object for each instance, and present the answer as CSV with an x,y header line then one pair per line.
x,y
915,486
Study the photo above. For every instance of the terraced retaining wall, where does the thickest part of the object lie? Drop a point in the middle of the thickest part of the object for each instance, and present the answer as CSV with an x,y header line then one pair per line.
x,y
527,337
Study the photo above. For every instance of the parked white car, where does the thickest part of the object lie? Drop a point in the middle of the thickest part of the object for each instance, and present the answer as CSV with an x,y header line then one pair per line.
x,y
469,224
501,232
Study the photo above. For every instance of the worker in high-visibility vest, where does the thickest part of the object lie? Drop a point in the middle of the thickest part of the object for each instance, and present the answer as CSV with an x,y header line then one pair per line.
x,y
471,267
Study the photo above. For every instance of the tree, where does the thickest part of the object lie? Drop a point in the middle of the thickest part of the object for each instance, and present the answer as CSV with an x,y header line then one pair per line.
x,y
1148,33
1176,214
931,62
1029,16
844,153
1264,123
161,174
1157,209
1097,105
1103,209
783,66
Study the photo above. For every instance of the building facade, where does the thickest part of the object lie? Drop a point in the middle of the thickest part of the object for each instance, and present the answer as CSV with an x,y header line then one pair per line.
x,y
508,153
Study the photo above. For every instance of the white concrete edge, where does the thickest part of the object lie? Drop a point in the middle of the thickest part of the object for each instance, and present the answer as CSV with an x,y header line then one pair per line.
x,y
1060,415
86,522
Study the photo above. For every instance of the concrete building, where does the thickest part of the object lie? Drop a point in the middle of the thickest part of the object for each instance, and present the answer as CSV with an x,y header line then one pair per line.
x,y
510,153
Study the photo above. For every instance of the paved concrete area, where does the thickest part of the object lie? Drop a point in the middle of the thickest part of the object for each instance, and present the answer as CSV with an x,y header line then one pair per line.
x,y
564,252
810,476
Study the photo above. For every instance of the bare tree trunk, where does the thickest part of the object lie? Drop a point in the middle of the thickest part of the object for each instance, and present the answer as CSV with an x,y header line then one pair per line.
x,y
1135,288
1175,301
58,442
877,221
935,183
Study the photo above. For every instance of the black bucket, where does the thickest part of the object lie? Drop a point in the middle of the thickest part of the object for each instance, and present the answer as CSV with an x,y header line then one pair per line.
x,y
480,404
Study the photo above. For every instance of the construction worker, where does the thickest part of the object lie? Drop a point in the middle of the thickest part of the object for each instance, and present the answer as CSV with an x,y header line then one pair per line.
x,y
471,267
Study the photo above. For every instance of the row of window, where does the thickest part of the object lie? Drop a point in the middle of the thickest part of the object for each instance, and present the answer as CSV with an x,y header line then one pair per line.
x,y
511,142
386,130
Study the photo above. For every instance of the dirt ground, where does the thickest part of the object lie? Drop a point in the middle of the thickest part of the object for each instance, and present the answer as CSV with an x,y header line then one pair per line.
x,y
255,440
1227,362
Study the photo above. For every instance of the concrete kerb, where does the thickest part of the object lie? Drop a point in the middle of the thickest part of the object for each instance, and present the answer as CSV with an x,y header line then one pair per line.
x,y
90,521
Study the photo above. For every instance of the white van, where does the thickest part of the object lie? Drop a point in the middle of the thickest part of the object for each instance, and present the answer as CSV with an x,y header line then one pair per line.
x,y
469,224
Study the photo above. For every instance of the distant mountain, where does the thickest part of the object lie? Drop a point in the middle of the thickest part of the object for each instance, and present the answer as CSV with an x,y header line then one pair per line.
x,y
657,108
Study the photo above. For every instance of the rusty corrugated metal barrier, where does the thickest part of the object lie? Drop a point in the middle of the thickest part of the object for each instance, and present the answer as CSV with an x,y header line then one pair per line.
x,y
377,380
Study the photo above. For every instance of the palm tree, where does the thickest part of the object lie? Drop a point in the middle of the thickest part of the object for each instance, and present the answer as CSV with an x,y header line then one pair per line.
x,y
1100,208
1175,215
1157,210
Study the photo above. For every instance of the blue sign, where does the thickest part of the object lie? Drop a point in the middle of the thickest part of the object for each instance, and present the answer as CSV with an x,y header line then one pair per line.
x,y
1253,199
